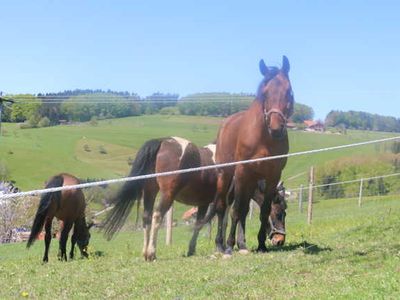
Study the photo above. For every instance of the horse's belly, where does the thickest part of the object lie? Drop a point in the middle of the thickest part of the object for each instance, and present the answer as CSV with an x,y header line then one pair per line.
x,y
196,195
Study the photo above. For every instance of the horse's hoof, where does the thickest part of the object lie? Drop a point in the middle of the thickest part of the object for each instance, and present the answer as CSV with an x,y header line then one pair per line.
x,y
227,256
151,257
244,251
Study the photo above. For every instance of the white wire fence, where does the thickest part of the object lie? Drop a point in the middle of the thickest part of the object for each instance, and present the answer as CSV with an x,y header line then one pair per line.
x,y
175,172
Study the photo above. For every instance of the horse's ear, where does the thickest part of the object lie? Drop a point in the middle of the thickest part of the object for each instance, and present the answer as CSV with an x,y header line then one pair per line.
x,y
285,65
263,68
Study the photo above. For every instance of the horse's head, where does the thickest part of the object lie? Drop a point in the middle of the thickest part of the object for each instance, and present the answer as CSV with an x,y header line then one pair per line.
x,y
276,95
83,237
277,217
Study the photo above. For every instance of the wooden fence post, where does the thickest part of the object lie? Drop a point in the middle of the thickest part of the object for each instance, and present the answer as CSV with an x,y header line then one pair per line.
x,y
301,199
169,220
310,196
360,193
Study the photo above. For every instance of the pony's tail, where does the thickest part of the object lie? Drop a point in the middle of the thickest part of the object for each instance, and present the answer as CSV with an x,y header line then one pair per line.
x,y
44,204
131,190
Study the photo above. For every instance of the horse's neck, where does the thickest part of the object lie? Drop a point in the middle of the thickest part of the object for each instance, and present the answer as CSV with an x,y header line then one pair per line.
x,y
255,126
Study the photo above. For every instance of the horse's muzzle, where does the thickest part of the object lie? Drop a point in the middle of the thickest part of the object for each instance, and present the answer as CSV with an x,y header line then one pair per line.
x,y
278,239
278,134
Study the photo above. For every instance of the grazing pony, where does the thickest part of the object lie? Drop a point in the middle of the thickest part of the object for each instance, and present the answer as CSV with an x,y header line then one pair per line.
x,y
67,206
260,131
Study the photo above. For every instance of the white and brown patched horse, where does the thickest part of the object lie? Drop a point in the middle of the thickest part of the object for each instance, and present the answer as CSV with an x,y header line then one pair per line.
x,y
195,188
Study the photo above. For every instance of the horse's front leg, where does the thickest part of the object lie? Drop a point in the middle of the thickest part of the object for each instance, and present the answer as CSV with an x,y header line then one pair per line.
x,y
197,227
62,255
47,239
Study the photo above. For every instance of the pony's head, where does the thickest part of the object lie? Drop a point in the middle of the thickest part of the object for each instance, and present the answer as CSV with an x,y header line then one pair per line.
x,y
83,237
277,217
276,95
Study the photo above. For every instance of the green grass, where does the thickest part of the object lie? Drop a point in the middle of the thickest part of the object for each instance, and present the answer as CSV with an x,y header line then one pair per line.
x,y
34,155
347,253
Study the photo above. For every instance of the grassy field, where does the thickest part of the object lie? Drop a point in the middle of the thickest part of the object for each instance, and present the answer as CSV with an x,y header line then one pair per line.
x,y
347,253
33,155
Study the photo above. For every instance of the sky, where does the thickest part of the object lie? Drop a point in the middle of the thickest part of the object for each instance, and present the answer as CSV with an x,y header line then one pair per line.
x,y
344,55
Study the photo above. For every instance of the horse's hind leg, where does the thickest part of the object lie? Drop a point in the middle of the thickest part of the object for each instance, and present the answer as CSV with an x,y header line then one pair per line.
x,y
62,255
47,239
200,215
149,196
158,215
240,209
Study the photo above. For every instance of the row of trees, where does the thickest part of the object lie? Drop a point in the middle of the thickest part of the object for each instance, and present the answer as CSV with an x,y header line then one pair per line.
x,y
83,105
362,120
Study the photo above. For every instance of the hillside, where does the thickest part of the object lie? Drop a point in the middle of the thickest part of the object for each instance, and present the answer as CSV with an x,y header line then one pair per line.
x,y
102,151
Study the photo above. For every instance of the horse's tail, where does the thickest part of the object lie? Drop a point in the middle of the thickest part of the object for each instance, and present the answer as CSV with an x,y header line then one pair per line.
x,y
44,204
132,190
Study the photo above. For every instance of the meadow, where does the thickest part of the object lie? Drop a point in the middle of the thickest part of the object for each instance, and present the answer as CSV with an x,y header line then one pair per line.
x,y
346,253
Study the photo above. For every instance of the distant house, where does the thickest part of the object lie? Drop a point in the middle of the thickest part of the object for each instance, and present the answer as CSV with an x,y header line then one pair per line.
x,y
312,125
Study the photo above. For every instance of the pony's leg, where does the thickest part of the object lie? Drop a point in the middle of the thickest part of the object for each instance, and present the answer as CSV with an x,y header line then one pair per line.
x,y
73,242
63,240
47,239
200,215
158,215
265,211
149,197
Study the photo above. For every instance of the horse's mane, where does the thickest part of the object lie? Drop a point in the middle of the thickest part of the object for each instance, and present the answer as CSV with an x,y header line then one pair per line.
x,y
273,71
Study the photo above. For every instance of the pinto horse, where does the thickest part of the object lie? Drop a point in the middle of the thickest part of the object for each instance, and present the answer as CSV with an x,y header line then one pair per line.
x,y
67,206
260,131
195,189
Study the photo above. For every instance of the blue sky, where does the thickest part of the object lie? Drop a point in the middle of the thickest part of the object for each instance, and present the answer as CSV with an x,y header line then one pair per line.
x,y
344,54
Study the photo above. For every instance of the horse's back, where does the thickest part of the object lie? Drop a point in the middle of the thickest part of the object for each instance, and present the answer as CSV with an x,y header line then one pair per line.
x,y
72,204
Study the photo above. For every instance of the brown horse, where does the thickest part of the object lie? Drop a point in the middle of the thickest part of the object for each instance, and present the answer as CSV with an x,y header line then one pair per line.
x,y
260,131
67,206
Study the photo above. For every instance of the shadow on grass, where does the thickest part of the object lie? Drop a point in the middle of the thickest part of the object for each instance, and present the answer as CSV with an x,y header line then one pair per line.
x,y
305,246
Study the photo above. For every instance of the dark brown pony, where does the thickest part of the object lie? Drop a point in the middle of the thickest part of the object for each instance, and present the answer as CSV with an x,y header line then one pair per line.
x,y
260,131
67,206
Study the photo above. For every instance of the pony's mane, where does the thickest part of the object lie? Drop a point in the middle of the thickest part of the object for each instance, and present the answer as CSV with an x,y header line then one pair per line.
x,y
273,71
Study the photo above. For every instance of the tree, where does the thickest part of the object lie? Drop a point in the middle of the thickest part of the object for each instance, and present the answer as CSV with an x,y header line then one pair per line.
x,y
25,107
301,113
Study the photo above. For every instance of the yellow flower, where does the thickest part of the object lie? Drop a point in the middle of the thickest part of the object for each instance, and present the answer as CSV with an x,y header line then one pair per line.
x,y
24,294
